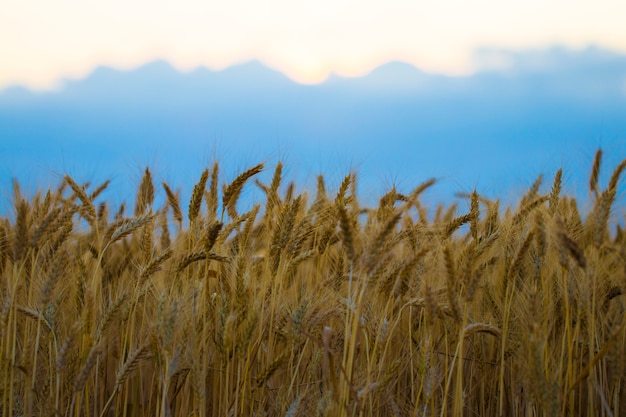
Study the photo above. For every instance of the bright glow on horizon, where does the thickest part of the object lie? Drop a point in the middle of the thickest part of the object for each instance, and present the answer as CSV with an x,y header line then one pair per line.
x,y
43,42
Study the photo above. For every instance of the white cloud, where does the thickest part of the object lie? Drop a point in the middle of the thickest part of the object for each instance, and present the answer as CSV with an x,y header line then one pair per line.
x,y
43,41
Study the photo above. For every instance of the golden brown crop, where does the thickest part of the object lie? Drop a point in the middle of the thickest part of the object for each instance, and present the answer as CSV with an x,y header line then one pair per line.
x,y
312,306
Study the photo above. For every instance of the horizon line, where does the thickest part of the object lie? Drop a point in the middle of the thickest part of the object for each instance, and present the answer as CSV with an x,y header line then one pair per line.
x,y
471,69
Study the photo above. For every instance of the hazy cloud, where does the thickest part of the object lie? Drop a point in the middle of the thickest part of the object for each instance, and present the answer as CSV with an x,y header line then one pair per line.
x,y
41,42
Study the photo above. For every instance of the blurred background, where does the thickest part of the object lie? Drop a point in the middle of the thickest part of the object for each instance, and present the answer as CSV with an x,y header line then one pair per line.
x,y
484,94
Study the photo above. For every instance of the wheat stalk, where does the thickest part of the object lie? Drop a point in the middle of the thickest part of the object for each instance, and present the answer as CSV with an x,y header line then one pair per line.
x,y
595,173
89,209
129,226
174,203
380,240
21,234
451,284
85,370
129,366
233,190
212,234
196,196
192,257
145,195
451,323
95,193
44,226
556,191
155,265
110,314
347,233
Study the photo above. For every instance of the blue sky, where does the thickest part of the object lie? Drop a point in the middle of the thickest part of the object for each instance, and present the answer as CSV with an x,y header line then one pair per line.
x,y
479,94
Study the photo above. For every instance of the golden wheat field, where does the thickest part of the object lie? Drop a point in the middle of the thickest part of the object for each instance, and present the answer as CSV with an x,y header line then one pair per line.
x,y
311,304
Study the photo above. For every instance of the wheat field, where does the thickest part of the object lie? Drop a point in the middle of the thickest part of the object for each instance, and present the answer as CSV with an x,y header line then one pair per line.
x,y
312,304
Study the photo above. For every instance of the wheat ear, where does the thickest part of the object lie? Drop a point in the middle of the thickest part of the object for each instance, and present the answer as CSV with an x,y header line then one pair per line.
x,y
196,196
233,190
595,173
88,206
145,195
172,200
132,362
127,227
556,191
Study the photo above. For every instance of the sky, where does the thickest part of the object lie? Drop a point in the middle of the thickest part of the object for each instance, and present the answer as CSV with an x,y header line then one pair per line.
x,y
482,93
42,42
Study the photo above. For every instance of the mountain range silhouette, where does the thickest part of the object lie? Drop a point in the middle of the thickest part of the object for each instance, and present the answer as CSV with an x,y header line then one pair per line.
x,y
496,129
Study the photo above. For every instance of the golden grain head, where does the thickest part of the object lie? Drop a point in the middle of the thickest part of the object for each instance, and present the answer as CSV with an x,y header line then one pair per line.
x,y
293,307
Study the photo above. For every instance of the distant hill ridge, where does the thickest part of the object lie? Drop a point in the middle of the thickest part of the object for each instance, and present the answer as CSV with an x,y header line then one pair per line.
x,y
255,74
521,113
